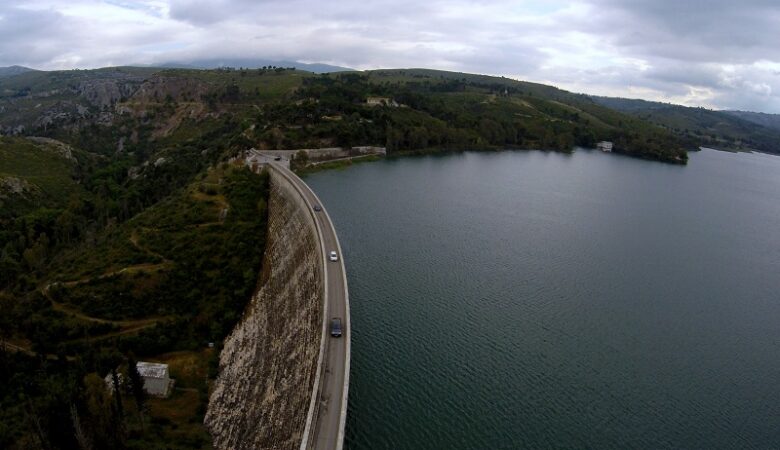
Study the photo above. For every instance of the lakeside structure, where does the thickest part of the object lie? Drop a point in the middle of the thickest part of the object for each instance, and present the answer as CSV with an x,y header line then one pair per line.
x,y
604,146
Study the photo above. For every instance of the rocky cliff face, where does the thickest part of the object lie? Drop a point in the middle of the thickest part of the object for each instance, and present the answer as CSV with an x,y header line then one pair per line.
x,y
268,363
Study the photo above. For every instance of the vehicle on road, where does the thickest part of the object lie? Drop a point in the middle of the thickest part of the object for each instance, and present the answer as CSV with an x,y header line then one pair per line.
x,y
278,158
333,256
317,208
335,327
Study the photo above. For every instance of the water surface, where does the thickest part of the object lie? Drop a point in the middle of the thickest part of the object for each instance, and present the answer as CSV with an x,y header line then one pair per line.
x,y
543,300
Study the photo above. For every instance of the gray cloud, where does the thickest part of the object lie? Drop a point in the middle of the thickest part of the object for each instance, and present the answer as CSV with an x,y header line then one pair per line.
x,y
21,37
722,31
714,53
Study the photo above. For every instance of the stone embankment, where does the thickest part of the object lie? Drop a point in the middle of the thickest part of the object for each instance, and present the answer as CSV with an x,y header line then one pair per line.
x,y
268,364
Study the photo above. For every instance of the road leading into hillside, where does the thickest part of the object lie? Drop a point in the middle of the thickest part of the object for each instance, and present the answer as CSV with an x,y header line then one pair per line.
x,y
327,426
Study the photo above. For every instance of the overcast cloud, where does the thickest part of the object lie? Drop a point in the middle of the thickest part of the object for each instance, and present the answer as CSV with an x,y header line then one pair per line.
x,y
719,53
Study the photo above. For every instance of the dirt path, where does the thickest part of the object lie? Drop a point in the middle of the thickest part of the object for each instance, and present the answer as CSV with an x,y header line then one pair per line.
x,y
9,347
125,326
143,248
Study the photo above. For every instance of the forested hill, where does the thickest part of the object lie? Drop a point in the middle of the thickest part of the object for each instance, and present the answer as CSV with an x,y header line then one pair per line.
x,y
728,130
285,108
763,119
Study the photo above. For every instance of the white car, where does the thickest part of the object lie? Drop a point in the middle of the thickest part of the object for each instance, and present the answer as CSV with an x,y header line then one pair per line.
x,y
333,256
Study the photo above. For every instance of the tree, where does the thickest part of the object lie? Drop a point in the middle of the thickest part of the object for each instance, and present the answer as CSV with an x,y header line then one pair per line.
x,y
85,443
136,387
102,418
299,160
119,410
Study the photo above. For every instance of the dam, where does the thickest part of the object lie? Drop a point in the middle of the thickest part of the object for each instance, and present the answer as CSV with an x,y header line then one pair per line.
x,y
283,380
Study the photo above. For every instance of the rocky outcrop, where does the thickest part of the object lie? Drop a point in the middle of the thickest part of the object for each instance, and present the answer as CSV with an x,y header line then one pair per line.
x,y
179,89
104,93
268,363
12,186
58,147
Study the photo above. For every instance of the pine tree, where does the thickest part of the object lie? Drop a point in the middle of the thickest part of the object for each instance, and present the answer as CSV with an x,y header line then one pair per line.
x,y
136,387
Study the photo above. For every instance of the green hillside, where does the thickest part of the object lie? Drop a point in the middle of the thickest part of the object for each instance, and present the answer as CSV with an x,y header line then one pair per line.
x,y
160,286
766,120
450,111
707,128
283,108
38,173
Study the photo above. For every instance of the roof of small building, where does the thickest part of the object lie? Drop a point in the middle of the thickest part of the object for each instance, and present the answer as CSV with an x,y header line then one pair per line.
x,y
152,370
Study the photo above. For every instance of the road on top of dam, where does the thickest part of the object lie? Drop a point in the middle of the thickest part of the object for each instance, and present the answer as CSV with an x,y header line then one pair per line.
x,y
328,425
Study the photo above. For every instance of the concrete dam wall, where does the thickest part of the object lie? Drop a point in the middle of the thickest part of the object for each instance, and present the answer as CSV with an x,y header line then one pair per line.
x,y
269,362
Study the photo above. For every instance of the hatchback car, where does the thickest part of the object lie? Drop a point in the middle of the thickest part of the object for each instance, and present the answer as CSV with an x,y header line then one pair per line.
x,y
333,256
317,208
335,327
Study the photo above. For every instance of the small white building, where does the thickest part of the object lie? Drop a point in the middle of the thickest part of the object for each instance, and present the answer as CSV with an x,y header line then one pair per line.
x,y
380,101
157,382
604,146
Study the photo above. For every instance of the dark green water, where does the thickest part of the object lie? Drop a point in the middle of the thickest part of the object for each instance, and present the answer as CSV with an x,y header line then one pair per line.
x,y
540,300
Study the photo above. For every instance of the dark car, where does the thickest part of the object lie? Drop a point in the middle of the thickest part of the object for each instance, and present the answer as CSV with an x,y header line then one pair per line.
x,y
335,327
317,208
278,158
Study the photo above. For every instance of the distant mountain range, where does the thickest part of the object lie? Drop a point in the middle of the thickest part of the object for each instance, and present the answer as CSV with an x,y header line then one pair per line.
x,y
247,63
252,63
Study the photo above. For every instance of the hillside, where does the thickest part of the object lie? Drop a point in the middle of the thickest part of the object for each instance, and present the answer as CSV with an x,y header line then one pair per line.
x,y
719,129
285,108
38,172
13,70
161,286
766,120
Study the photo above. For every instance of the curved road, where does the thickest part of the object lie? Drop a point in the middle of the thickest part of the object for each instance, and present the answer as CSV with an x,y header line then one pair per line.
x,y
327,430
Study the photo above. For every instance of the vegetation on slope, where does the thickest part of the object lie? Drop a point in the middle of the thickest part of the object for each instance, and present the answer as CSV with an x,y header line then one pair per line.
x,y
729,130
771,121
445,110
173,278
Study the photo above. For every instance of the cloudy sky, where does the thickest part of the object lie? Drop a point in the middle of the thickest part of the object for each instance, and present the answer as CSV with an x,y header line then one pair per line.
x,y
721,54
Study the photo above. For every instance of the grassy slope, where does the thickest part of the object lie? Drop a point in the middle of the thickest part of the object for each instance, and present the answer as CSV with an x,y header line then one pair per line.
x,y
47,172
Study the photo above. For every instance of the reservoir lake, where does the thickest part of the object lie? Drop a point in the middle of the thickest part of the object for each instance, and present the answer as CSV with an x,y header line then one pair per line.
x,y
530,299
